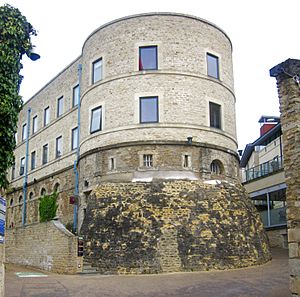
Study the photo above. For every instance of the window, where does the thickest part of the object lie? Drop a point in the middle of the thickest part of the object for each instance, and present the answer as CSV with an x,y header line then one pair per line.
x,y
148,160
20,199
212,66
24,132
215,115
58,150
60,106
46,116
13,171
97,71
33,160
11,202
148,57
22,166
43,192
56,187
148,109
112,163
31,195
45,154
34,124
186,161
216,167
74,144
96,118
75,98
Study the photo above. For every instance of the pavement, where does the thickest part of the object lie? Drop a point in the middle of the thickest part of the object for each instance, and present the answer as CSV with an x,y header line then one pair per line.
x,y
268,280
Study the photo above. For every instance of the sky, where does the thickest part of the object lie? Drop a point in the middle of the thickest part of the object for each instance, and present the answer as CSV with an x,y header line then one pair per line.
x,y
264,33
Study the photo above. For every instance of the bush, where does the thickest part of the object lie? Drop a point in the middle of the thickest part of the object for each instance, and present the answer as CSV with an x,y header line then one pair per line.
x,y
48,206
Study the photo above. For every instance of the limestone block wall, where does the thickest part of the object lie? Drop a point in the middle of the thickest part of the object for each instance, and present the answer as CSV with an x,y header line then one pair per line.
x,y
287,75
48,246
172,226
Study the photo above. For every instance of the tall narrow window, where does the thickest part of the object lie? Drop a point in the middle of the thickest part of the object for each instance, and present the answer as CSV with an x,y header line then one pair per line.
x,y
212,65
186,161
60,106
148,57
112,163
46,116
148,160
33,155
22,166
45,154
148,109
75,98
97,71
74,144
96,118
13,171
24,132
215,115
58,149
34,124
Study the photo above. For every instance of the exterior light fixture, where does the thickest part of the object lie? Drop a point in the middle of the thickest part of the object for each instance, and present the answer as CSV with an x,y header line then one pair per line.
x,y
189,140
33,55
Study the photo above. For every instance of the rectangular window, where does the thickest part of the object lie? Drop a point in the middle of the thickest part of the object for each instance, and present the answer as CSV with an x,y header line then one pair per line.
x,y
22,166
186,161
45,154
112,163
60,106
58,147
75,98
13,171
24,132
46,116
212,65
74,139
33,160
148,109
215,115
34,124
148,160
148,57
96,118
97,71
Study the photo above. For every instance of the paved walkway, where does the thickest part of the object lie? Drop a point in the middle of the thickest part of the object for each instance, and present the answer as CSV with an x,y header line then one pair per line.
x,y
268,280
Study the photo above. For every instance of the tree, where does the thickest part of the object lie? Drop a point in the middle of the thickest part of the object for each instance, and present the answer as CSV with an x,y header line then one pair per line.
x,y
15,34
48,206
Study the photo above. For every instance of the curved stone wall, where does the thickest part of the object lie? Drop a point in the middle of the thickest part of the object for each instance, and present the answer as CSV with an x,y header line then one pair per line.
x,y
172,226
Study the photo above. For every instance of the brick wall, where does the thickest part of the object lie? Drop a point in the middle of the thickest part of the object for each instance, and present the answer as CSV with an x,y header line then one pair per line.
x,y
48,246
172,226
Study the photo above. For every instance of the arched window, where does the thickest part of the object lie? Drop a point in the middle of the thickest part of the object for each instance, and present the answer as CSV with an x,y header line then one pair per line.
x,y
30,195
11,203
20,199
216,167
43,191
56,187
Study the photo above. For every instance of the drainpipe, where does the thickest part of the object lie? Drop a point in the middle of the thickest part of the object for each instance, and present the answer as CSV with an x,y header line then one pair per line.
x,y
26,169
76,192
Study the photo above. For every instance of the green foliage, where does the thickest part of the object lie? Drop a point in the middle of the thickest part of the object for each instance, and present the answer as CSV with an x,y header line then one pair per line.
x,y
48,206
15,33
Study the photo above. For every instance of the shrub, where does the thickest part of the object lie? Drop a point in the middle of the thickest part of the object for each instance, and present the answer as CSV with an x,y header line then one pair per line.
x,y
48,206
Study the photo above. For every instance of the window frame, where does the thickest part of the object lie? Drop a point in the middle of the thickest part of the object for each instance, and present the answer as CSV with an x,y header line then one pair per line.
x,y
34,124
212,115
60,107
58,153
140,66
74,95
45,159
46,116
210,71
24,132
93,70
22,166
73,139
141,121
148,160
100,122
33,160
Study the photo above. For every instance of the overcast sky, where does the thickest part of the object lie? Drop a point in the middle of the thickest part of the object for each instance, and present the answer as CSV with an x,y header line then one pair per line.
x,y
263,33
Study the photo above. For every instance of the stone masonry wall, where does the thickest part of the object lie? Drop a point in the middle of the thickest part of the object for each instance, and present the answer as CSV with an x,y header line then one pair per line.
x,y
172,226
287,75
48,246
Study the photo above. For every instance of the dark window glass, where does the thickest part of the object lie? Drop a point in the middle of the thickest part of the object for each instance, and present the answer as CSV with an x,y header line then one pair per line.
x,y
215,115
74,138
24,132
148,160
60,106
58,150
33,160
96,119
45,154
148,58
97,71
43,192
212,66
75,99
46,116
22,166
148,109
34,124
13,171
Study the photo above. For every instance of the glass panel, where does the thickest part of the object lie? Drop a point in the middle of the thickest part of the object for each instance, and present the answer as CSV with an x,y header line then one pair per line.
x,y
24,132
46,116
261,205
58,146
97,70
149,110
96,119
148,58
75,95
278,207
212,66
32,160
60,106
74,138
215,115
34,125
22,166
45,154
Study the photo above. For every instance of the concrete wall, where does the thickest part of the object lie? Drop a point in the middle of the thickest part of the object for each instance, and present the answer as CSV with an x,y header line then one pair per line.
x,y
48,246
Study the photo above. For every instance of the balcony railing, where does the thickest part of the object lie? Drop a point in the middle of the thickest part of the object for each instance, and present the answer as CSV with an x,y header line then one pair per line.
x,y
263,169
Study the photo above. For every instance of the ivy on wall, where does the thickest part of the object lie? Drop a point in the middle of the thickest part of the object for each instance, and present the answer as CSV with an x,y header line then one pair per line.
x,y
48,206
15,34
